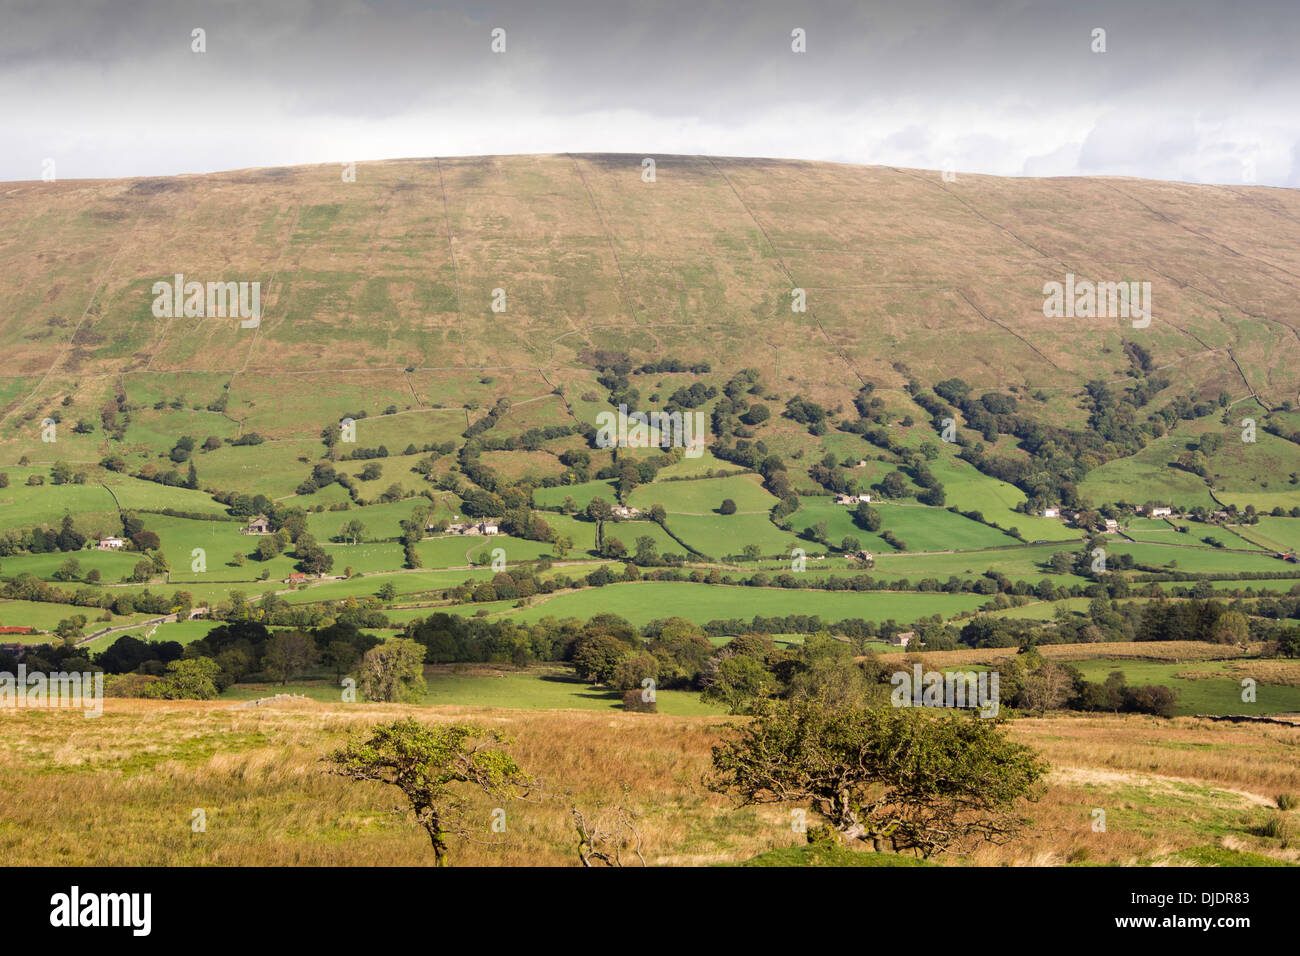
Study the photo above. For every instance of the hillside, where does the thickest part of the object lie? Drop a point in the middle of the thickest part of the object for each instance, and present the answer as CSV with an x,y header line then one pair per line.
x,y
905,275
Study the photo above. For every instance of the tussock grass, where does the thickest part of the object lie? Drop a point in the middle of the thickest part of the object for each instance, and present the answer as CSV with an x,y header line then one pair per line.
x,y
122,789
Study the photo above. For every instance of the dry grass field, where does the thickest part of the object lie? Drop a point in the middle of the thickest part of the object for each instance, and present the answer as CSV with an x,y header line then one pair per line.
x,y
122,789
1137,650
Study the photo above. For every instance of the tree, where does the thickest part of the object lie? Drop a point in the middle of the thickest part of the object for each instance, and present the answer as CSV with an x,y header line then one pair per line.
x,y
596,656
268,546
603,840
288,654
728,507
894,485
647,553
866,517
432,766
146,540
740,682
895,776
70,628
353,531
394,671
193,679
342,656
69,570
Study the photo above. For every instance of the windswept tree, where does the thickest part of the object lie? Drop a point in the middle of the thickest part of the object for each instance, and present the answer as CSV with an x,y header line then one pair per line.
x,y
437,768
898,778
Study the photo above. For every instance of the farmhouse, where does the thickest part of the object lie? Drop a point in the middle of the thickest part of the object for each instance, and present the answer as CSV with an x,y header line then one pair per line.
x,y
1160,511
1051,512
259,525
902,639
1112,525
851,499
625,511
486,526
110,544
297,577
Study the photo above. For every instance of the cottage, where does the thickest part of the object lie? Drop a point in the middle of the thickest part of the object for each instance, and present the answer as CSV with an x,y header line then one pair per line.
x,y
902,639
1112,525
852,499
1051,512
488,526
624,511
259,525
110,544
1160,511
297,577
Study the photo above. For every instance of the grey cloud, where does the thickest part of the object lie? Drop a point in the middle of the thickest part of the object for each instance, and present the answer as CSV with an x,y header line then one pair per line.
x,y
1009,86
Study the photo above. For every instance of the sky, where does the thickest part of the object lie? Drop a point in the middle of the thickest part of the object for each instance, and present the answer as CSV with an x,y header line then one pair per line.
x,y
1185,89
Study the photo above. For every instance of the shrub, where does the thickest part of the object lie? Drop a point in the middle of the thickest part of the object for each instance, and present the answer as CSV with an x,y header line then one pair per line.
x,y
633,701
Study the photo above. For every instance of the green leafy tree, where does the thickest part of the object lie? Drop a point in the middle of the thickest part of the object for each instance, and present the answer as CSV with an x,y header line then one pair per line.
x,y
342,656
895,777
288,655
436,768
394,672
739,681
192,679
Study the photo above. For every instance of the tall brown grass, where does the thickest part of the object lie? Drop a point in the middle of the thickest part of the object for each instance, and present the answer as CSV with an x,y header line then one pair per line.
x,y
122,789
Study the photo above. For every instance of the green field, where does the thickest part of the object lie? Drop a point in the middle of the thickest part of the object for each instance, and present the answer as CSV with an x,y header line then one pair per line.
x,y
644,601
537,688
1213,695
702,496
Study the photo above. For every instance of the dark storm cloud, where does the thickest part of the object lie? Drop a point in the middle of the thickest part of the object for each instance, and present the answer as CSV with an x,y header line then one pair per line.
x,y
1189,90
